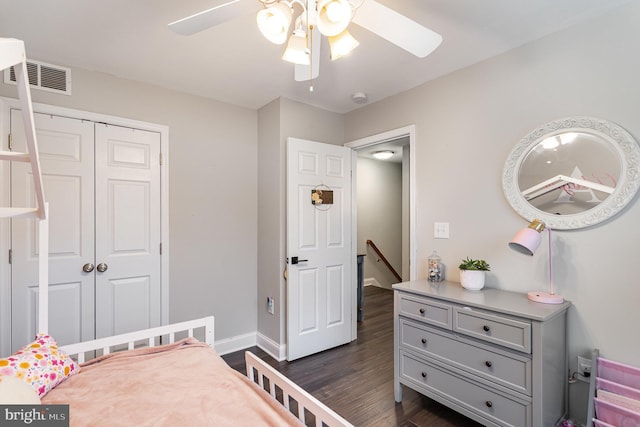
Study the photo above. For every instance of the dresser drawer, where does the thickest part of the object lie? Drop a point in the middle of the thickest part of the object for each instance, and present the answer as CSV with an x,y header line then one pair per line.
x,y
494,328
427,311
513,372
491,405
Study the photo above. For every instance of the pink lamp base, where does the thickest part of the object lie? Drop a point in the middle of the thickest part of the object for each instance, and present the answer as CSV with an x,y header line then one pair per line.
x,y
545,297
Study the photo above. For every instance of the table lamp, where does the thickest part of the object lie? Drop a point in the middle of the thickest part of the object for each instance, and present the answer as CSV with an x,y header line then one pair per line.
x,y
526,241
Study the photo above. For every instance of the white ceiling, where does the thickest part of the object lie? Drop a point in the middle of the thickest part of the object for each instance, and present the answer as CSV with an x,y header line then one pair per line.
x,y
233,63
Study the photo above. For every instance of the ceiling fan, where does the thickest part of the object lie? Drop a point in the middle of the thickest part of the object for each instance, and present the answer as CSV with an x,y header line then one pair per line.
x,y
314,18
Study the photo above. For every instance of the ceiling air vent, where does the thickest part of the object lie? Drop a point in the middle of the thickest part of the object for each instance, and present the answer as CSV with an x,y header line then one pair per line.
x,y
52,78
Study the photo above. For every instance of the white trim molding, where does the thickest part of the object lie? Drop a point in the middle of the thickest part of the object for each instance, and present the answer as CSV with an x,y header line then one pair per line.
x,y
410,132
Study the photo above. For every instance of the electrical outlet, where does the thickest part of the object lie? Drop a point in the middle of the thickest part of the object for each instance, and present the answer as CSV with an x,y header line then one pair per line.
x,y
270,305
584,366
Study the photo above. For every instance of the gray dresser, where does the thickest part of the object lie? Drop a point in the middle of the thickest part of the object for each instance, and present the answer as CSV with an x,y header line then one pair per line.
x,y
491,355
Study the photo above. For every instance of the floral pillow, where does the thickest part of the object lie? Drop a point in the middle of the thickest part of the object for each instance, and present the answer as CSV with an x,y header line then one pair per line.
x,y
40,364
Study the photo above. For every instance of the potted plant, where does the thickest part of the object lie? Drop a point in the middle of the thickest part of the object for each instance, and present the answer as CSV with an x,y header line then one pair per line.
x,y
472,272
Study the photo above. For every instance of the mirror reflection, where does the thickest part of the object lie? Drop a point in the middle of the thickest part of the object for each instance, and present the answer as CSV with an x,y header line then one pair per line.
x,y
569,173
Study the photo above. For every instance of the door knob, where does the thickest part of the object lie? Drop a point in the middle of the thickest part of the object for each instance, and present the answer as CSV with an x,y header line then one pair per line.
x,y
102,267
295,260
88,267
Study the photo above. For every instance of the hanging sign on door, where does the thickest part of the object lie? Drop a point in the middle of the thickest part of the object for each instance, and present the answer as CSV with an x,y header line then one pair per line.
x,y
321,197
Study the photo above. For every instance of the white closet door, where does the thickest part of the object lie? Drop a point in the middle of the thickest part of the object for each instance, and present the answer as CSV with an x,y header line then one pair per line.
x,y
67,154
127,229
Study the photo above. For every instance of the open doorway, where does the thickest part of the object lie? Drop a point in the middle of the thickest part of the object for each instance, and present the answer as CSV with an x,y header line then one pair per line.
x,y
385,208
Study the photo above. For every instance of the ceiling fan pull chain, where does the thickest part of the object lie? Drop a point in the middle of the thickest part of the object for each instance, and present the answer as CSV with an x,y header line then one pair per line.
x,y
310,56
310,46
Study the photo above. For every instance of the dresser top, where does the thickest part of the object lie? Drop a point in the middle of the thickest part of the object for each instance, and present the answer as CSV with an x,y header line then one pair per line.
x,y
513,303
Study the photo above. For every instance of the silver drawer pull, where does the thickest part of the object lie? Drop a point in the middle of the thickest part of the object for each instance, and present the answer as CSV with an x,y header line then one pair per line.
x,y
422,311
488,403
424,340
486,328
488,363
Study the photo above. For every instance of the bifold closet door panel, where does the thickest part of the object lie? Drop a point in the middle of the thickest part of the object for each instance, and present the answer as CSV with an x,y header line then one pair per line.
x,y
66,148
127,229
102,183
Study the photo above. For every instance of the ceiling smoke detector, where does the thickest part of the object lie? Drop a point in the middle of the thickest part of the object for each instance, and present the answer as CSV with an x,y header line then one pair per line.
x,y
359,98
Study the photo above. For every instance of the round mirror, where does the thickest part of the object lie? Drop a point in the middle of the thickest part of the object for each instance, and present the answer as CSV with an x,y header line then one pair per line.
x,y
572,173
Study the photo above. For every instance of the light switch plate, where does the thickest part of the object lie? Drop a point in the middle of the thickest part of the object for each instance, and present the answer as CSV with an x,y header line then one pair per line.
x,y
441,230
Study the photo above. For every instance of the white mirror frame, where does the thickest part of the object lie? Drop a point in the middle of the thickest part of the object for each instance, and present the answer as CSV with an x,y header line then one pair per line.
x,y
627,187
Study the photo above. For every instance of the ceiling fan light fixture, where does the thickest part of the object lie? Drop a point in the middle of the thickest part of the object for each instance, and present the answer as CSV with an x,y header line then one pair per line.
x,y
342,44
296,51
334,16
329,18
274,22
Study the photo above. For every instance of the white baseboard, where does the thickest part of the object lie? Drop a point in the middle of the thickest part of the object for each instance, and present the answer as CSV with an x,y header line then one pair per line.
x,y
371,281
229,345
241,342
275,350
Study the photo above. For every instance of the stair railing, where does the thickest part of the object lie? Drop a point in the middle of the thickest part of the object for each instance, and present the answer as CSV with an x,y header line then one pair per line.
x,y
384,260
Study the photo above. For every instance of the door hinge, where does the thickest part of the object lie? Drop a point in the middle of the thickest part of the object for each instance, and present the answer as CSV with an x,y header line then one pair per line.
x,y
161,159
10,143
160,248
10,256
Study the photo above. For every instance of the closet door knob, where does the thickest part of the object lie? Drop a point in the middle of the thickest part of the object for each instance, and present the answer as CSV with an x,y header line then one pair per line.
x,y
488,403
424,340
486,328
422,311
102,267
424,375
488,363
88,267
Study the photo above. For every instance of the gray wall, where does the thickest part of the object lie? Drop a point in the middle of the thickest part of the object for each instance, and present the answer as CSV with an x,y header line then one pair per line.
x,y
466,125
212,188
277,121
379,207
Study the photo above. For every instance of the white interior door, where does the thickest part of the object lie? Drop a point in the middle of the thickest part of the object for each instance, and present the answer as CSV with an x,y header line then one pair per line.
x,y
66,155
321,278
127,229
102,184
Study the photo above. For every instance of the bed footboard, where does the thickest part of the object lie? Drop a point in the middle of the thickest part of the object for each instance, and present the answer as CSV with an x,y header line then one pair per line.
x,y
258,371
145,338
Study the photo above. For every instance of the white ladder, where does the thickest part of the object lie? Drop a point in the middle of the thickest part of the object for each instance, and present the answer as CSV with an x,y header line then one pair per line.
x,y
12,54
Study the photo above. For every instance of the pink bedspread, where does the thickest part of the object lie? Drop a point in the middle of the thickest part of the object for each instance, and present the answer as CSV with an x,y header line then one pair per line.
x,y
183,384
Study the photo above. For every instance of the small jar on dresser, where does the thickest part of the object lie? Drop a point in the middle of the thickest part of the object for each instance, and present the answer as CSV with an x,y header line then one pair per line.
x,y
491,355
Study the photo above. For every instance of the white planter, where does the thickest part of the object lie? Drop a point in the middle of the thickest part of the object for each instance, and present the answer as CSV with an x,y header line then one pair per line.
x,y
472,280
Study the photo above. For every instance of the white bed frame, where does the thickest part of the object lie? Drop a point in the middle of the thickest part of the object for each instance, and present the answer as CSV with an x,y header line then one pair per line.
x,y
152,337
258,371
280,387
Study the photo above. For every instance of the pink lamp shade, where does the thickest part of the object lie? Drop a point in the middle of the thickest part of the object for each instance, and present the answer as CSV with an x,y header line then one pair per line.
x,y
527,240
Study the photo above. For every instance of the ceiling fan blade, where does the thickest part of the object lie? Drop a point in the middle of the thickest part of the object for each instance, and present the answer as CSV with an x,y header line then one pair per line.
x,y
396,28
302,73
212,17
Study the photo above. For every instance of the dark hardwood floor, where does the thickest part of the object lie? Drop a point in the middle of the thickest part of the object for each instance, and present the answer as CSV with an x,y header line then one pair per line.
x,y
356,379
